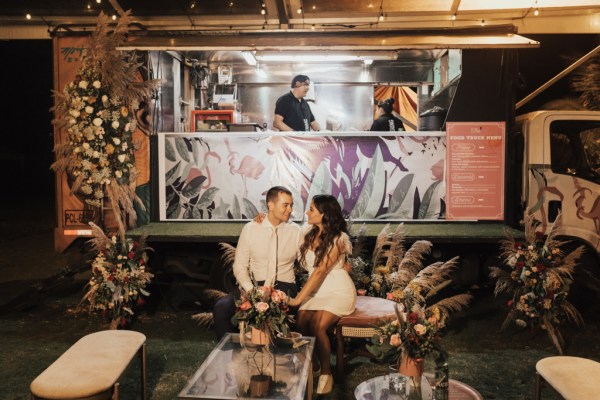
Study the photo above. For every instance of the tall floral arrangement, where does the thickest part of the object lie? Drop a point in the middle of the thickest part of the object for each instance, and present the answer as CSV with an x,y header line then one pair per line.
x,y
423,309
119,276
538,277
96,110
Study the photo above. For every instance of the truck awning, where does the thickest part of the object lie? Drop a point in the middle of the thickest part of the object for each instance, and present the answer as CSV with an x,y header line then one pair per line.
x,y
478,38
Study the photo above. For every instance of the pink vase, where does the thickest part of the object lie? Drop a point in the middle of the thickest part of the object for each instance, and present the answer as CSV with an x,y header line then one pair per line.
x,y
259,337
411,367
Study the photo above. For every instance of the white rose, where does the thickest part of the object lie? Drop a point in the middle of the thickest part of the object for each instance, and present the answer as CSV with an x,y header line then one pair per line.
x,y
124,146
97,121
89,109
76,150
96,84
115,124
104,98
117,141
74,113
127,127
83,84
86,146
118,174
121,157
96,154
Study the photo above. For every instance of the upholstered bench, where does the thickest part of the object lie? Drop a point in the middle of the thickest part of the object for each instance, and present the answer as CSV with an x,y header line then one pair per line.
x,y
91,368
360,324
571,377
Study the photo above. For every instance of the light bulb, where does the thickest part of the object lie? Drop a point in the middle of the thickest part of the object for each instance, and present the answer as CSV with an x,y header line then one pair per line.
x,y
28,16
312,27
263,11
114,17
453,17
536,12
299,10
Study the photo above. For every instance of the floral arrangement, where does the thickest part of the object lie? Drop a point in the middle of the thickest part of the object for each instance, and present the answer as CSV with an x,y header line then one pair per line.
x,y
414,334
119,277
538,278
417,330
263,308
96,110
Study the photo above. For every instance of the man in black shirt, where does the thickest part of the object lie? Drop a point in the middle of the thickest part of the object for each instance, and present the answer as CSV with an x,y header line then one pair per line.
x,y
292,112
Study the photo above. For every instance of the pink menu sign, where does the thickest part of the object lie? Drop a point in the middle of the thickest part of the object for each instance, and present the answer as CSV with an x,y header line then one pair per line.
x,y
475,170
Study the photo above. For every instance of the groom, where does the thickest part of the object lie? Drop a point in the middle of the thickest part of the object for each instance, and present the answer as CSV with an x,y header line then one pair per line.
x,y
265,253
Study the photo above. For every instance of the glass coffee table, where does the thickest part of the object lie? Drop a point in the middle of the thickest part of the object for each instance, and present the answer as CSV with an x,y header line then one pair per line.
x,y
378,388
233,371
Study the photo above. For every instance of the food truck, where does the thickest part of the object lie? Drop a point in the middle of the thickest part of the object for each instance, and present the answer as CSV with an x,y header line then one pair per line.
x,y
462,172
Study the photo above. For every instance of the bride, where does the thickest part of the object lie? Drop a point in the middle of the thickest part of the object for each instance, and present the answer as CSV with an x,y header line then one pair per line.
x,y
329,292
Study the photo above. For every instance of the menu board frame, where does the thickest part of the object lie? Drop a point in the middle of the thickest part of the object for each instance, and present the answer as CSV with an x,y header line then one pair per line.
x,y
475,158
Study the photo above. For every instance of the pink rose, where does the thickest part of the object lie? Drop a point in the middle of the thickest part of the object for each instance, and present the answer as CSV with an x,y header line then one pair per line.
x,y
420,329
261,306
395,340
389,296
245,305
278,296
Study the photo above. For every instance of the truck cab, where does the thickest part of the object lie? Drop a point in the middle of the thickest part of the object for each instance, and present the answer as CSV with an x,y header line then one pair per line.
x,y
561,172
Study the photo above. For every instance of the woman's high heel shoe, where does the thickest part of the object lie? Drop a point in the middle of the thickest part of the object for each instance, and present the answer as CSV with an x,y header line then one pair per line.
x,y
325,385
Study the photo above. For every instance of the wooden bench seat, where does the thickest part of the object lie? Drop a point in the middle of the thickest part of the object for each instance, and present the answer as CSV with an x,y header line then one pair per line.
x,y
91,368
368,313
571,377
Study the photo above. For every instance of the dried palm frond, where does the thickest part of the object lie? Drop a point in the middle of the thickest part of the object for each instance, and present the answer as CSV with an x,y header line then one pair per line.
x,y
572,313
205,319
99,240
504,282
396,251
382,244
584,80
554,334
413,258
530,227
228,255
434,274
214,294
453,304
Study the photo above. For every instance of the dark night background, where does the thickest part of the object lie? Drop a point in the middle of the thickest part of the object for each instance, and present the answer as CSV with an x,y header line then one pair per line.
x,y
26,75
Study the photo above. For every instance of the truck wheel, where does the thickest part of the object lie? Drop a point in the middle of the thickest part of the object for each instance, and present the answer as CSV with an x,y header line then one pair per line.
x,y
221,276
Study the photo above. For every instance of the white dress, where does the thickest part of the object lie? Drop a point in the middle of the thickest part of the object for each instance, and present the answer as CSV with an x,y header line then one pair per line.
x,y
337,293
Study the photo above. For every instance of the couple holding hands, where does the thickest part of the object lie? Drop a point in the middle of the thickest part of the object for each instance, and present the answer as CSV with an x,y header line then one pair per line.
x,y
268,250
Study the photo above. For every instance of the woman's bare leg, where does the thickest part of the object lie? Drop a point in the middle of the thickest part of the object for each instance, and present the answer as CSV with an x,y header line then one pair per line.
x,y
303,323
320,323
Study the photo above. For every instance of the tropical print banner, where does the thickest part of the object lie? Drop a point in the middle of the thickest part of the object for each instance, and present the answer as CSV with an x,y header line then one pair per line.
x,y
224,176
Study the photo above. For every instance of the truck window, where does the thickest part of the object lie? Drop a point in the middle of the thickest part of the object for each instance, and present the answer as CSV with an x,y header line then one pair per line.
x,y
575,148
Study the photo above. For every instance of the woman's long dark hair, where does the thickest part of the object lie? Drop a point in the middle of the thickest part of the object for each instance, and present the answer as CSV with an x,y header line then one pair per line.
x,y
333,225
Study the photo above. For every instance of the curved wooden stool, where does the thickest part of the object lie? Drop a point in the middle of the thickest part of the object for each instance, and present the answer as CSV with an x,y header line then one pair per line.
x,y
91,368
570,377
369,311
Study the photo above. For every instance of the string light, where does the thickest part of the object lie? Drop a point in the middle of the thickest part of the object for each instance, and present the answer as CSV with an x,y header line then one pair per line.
x,y
483,22
89,6
314,7
231,4
312,27
536,12
453,17
28,16
299,10
114,17
193,4
98,1
381,16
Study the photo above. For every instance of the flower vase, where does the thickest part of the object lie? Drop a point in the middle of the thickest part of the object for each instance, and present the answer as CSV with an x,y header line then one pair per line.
x,y
413,368
259,385
259,337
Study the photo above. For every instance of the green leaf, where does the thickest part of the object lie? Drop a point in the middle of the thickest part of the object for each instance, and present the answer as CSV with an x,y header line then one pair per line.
x,y
207,197
182,148
235,209
172,174
400,193
194,187
371,196
249,209
196,151
170,151
426,201
321,182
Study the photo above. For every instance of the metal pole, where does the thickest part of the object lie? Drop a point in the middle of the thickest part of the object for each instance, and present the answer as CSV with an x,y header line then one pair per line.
x,y
557,77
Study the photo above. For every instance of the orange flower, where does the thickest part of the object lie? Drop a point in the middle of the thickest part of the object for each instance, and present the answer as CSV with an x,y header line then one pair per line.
x,y
124,111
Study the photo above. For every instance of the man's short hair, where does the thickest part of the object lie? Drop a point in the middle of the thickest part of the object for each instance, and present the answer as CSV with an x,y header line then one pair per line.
x,y
273,193
301,79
